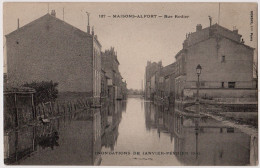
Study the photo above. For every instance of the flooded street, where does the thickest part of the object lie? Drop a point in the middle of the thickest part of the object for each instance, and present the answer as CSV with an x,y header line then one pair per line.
x,y
132,132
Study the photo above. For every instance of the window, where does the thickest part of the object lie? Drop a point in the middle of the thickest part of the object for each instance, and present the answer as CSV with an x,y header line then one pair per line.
x,y
223,58
231,84
230,130
222,84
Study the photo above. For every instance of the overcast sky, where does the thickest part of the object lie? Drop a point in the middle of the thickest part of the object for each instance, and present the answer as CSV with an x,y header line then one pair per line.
x,y
139,40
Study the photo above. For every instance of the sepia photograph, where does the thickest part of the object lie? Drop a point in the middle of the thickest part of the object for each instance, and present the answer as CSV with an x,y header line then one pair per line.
x,y
130,83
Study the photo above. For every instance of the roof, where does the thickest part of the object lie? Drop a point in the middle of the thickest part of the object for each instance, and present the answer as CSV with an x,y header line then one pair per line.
x,y
221,27
209,37
167,70
24,90
48,16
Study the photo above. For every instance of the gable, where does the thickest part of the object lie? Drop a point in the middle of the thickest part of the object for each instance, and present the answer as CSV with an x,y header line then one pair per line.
x,y
47,20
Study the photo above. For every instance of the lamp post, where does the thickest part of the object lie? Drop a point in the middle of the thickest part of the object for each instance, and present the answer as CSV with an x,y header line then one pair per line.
x,y
198,71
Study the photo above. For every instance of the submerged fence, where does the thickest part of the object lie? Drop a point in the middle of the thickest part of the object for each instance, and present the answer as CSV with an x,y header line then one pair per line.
x,y
57,108
19,109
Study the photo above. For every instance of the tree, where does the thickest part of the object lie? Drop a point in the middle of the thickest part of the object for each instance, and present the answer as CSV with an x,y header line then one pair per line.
x,y
45,91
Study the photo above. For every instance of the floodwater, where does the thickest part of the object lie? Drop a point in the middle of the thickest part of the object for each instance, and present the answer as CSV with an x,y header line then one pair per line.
x,y
132,132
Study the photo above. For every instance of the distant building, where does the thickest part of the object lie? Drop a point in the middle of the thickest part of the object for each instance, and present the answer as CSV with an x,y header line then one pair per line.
x,y
227,64
124,90
166,83
51,49
110,65
151,78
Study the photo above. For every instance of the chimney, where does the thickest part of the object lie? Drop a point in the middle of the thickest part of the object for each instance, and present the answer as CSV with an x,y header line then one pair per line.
x,y
235,30
198,27
53,13
18,26
210,21
242,41
88,27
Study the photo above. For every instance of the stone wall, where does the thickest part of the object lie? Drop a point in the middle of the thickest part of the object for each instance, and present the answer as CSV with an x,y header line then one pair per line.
x,y
222,93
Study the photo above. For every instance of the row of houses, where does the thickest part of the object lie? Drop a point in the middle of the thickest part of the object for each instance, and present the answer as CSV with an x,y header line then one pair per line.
x,y
227,68
49,49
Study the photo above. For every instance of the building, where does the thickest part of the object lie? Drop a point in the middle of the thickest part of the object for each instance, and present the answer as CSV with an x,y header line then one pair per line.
x,y
151,79
159,82
227,64
124,90
104,88
166,83
110,65
50,49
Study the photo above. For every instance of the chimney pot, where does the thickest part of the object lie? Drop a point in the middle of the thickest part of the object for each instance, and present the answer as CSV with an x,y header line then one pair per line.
x,y
53,13
210,21
235,31
198,27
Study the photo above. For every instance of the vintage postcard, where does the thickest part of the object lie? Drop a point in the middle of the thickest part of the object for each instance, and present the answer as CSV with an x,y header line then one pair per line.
x,y
130,84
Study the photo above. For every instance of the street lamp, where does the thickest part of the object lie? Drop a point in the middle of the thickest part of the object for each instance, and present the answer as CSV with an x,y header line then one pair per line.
x,y
198,70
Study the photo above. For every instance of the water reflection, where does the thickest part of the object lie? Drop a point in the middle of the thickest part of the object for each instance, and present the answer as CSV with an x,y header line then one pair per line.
x,y
93,137
114,117
204,140
69,140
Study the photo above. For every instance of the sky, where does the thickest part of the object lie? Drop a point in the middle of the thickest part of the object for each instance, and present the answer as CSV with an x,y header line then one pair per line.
x,y
139,40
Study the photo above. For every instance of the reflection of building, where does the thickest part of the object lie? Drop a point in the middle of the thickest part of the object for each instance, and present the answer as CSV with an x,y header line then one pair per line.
x,y
214,143
68,140
155,118
149,116
51,49
111,130
96,136
18,144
